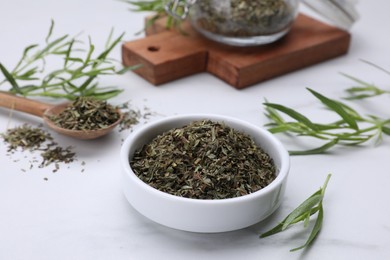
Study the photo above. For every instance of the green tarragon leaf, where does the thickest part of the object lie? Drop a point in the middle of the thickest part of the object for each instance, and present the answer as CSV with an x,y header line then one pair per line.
x,y
293,114
10,79
303,212
336,107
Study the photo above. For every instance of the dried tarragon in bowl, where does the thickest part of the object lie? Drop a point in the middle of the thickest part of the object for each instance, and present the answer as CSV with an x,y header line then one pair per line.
x,y
204,160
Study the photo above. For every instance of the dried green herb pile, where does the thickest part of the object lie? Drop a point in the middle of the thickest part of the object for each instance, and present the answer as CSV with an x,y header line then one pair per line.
x,y
87,113
32,139
25,137
204,160
243,18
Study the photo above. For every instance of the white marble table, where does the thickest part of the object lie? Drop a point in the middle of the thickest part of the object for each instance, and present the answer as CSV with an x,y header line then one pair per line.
x,y
77,214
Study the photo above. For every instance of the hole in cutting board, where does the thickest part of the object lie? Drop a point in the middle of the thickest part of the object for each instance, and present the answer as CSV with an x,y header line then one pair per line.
x,y
153,48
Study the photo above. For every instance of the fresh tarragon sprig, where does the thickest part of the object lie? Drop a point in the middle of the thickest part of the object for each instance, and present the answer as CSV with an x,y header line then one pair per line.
x,y
312,205
351,129
364,89
77,76
158,8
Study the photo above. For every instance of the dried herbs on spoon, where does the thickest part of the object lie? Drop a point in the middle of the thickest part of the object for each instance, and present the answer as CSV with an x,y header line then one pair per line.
x,y
86,114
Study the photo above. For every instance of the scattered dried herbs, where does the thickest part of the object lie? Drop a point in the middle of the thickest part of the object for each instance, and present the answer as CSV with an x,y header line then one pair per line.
x,y
132,117
86,113
204,160
34,139
57,154
25,137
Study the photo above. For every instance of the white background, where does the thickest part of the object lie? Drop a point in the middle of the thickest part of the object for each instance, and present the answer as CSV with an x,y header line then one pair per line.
x,y
78,214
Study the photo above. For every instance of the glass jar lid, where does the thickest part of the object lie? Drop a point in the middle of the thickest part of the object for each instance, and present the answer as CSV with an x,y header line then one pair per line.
x,y
341,13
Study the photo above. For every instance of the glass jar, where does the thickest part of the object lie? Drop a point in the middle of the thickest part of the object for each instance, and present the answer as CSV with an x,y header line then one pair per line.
x,y
254,22
243,22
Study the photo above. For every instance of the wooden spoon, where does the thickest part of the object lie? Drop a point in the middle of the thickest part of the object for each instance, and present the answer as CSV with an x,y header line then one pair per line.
x,y
44,110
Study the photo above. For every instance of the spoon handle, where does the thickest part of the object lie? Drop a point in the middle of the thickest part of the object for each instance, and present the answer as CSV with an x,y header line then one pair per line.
x,y
26,105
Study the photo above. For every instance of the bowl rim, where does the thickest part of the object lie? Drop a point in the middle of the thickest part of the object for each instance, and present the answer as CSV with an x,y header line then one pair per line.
x,y
282,171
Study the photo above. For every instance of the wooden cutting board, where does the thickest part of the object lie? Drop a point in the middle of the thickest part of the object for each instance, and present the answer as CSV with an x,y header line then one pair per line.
x,y
167,55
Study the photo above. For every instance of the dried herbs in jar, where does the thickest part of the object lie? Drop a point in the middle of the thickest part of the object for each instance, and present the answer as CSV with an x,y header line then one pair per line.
x,y
242,22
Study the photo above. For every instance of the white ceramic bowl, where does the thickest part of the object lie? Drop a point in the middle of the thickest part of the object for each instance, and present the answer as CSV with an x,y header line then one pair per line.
x,y
198,215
